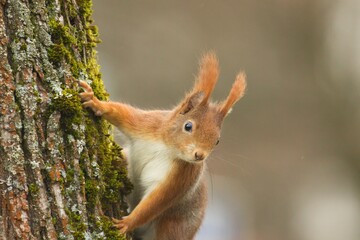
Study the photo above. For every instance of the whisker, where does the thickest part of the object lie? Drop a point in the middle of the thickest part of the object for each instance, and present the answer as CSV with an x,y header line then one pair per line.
x,y
240,156
236,164
211,182
232,163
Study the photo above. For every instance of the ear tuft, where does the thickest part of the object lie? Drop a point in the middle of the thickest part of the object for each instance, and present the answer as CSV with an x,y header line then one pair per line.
x,y
236,92
207,76
204,85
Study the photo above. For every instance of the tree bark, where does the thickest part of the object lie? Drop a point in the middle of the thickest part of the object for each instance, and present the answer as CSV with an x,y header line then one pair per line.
x,y
61,173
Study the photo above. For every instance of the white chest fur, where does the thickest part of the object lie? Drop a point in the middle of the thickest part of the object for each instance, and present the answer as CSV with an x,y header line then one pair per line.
x,y
149,164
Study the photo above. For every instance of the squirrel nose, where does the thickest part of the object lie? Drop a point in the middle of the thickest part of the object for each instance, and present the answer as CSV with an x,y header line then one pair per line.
x,y
199,156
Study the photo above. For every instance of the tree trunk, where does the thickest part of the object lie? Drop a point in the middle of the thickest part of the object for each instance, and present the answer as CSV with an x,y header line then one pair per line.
x,y
61,173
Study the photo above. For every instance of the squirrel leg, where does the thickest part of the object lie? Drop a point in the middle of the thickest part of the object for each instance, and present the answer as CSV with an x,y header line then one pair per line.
x,y
118,114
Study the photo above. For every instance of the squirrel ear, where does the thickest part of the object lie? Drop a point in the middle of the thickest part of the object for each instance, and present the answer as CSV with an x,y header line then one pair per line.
x,y
207,76
236,92
204,84
191,102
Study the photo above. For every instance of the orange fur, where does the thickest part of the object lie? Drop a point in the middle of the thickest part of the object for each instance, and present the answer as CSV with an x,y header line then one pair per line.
x,y
168,223
176,204
204,85
207,76
184,176
133,121
236,92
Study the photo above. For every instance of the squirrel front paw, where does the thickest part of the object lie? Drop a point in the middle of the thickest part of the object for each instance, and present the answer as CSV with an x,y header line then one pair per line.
x,y
89,100
124,224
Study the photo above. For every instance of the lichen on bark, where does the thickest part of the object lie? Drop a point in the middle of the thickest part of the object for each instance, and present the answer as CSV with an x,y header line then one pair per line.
x,y
61,173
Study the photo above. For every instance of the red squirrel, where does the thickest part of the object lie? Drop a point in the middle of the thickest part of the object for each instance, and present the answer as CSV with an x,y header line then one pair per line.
x,y
166,155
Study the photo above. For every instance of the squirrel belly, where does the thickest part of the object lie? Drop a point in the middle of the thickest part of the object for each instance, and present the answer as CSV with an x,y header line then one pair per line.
x,y
149,163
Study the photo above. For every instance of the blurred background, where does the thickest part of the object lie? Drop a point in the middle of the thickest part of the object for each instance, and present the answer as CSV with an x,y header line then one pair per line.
x,y
288,163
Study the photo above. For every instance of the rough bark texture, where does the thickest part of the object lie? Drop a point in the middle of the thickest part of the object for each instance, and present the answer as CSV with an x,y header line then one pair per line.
x,y
60,171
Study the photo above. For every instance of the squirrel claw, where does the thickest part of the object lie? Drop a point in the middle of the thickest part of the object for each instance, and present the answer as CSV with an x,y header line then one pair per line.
x,y
89,100
86,86
88,93
86,96
122,224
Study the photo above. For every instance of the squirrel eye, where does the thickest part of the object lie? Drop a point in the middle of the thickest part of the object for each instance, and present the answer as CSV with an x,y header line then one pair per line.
x,y
217,142
188,126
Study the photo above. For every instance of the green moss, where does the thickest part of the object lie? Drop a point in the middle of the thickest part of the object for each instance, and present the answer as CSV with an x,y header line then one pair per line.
x,y
73,13
111,233
23,47
59,54
33,189
77,225
85,9
54,220
69,105
114,170
61,33
92,36
105,182
97,85
63,49
51,8
111,165
70,173
92,192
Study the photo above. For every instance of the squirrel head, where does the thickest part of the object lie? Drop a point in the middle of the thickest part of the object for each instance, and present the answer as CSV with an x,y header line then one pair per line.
x,y
195,124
